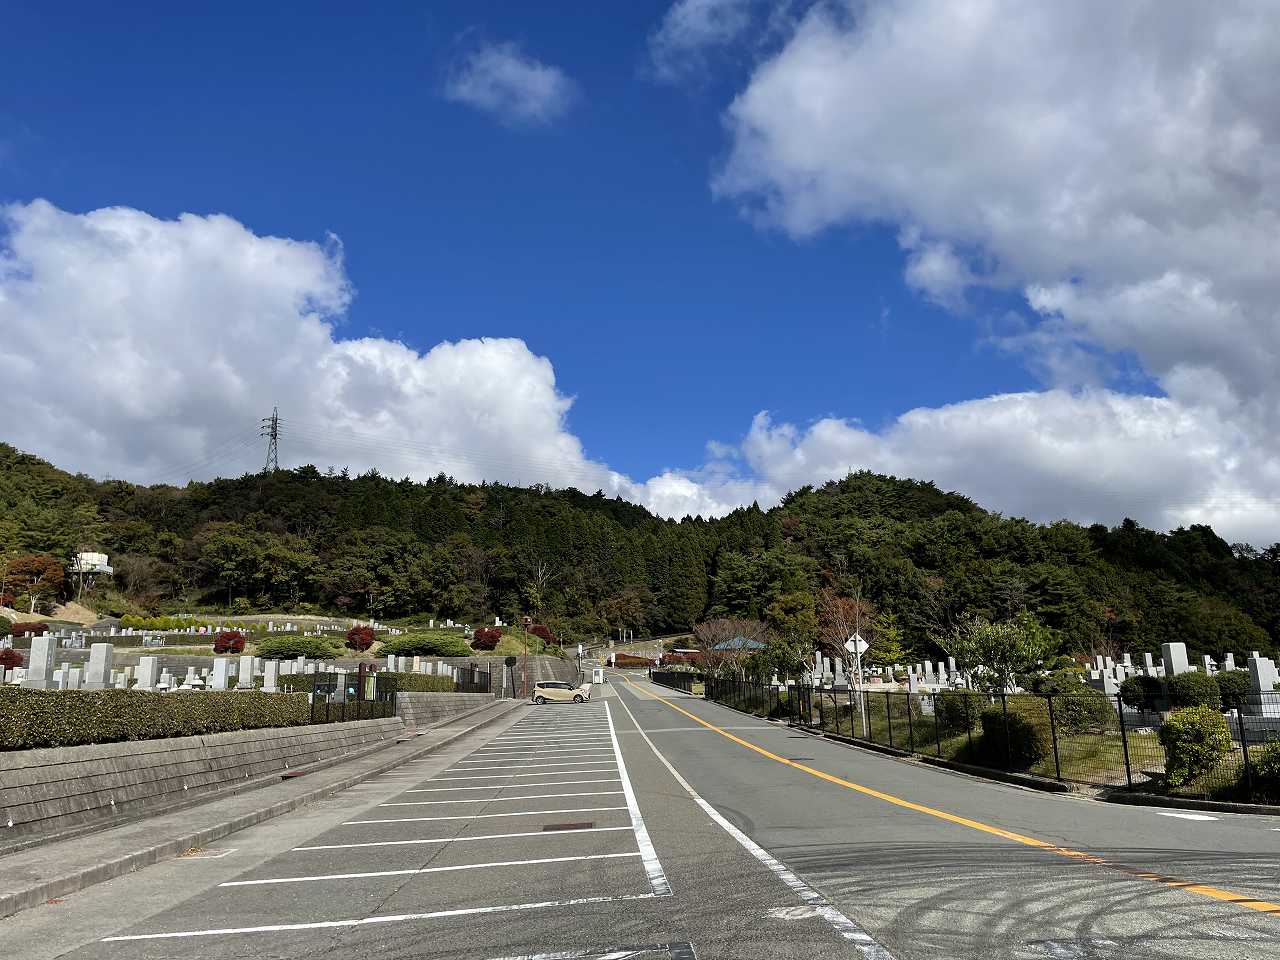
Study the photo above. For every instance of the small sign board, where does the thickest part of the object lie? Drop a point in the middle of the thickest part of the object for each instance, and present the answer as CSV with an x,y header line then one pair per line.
x,y
856,644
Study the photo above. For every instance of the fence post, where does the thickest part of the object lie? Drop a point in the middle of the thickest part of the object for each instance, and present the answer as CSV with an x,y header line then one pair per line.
x,y
937,728
1124,743
1004,714
1053,736
1244,749
968,719
849,698
888,714
911,728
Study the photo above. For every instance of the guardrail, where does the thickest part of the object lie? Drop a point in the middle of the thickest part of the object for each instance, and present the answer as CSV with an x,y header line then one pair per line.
x,y
676,679
1085,738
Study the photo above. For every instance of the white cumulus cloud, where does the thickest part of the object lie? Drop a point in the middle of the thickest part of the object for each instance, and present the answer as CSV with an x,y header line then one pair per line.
x,y
514,87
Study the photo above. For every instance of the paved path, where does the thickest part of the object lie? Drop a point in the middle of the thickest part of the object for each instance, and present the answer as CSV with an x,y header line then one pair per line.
x,y
650,824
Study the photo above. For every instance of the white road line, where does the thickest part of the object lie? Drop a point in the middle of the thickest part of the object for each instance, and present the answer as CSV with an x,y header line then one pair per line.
x,y
482,816
451,869
521,776
536,796
652,866
494,786
366,921
847,928
757,726
523,766
539,751
483,836
1185,816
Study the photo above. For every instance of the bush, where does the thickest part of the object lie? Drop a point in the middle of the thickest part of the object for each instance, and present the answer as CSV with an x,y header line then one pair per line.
x,y
486,638
228,641
625,661
6,628
1234,686
1194,690
957,711
360,638
418,682
160,624
544,633
22,629
286,646
10,659
31,719
1194,739
1142,692
1083,710
1028,740
1266,773
427,645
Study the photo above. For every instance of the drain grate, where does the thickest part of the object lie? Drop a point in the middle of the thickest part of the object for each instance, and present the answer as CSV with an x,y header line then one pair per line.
x,y
585,825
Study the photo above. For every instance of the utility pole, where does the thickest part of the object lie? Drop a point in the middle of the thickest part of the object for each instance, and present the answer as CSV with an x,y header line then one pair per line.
x,y
271,430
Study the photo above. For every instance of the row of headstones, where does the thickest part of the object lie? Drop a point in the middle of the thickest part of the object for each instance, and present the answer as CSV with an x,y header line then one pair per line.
x,y
1107,675
71,638
396,664
831,672
98,673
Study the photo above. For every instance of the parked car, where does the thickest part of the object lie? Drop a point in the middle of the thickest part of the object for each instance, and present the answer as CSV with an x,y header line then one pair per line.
x,y
557,691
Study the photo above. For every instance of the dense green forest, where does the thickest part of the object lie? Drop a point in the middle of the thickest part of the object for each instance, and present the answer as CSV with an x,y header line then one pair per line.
x,y
301,540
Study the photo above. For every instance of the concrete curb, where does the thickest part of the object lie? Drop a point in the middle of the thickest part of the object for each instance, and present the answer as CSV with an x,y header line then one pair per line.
x,y
1186,803
14,900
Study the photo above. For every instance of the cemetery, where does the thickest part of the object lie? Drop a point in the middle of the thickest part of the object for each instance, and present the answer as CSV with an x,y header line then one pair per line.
x,y
1105,727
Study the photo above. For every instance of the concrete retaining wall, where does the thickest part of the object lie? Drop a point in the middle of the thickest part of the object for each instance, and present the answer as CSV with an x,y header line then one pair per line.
x,y
55,790
425,709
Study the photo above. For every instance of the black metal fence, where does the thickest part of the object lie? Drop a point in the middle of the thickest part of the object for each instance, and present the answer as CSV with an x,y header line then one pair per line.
x,y
676,679
1224,752
471,679
339,697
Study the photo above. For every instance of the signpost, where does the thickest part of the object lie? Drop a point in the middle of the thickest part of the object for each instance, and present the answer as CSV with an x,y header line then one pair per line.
x,y
857,646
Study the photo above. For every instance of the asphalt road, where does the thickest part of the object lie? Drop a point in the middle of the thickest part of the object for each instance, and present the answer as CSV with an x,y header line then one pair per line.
x,y
627,828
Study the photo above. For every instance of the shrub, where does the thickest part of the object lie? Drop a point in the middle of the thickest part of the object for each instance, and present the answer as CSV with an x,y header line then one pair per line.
x,y
1234,686
228,641
957,711
5,627
23,629
286,646
240,606
427,645
10,659
31,719
486,638
1028,740
1266,773
360,638
1142,692
1084,709
1194,739
1194,690
544,633
418,682
626,661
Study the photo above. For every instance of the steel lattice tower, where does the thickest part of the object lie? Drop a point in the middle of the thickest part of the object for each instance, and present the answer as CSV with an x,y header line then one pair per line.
x,y
271,430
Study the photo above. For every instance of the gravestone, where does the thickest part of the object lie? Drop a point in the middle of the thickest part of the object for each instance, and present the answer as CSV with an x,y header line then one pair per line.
x,y
75,678
271,677
1175,659
39,675
221,673
98,676
244,675
148,673
1229,662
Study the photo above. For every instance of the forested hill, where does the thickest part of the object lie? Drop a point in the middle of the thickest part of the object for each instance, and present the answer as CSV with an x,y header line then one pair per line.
x,y
299,539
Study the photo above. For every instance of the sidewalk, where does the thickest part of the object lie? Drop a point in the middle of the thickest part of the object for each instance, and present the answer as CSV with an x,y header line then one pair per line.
x,y
36,874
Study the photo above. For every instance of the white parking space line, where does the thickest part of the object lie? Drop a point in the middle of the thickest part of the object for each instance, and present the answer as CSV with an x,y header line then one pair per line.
x,y
522,776
536,796
652,866
419,870
542,751
526,765
494,786
366,921
1185,816
843,925
483,836
483,816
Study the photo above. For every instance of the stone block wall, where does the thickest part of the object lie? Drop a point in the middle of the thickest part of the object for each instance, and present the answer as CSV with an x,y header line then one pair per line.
x,y
427,709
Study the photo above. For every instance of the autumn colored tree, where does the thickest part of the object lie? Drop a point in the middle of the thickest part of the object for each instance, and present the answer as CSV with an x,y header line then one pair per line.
x,y
360,638
10,659
228,641
37,578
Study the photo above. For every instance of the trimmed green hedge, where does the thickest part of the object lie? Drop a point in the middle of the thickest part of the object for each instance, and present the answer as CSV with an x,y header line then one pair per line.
x,y
1194,690
426,645
1029,738
1194,740
287,646
30,719
405,682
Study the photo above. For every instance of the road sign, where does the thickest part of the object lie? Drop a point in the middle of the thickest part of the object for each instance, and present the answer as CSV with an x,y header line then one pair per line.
x,y
856,644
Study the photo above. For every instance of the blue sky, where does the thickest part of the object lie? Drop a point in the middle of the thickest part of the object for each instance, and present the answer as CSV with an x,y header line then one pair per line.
x,y
669,317
1028,253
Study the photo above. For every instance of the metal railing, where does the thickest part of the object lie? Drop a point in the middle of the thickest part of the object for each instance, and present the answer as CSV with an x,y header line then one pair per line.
x,y
1086,738
471,679
676,679
339,697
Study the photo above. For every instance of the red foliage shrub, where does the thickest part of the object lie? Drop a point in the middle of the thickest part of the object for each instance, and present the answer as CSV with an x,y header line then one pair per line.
x,y
544,633
626,660
10,659
360,638
228,641
689,658
30,629
486,638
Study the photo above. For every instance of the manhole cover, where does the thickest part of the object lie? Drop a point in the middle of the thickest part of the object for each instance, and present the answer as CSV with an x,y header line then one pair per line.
x,y
585,825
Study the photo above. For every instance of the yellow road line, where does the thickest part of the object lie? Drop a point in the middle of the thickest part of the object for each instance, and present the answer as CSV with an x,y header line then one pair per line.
x,y
1262,906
